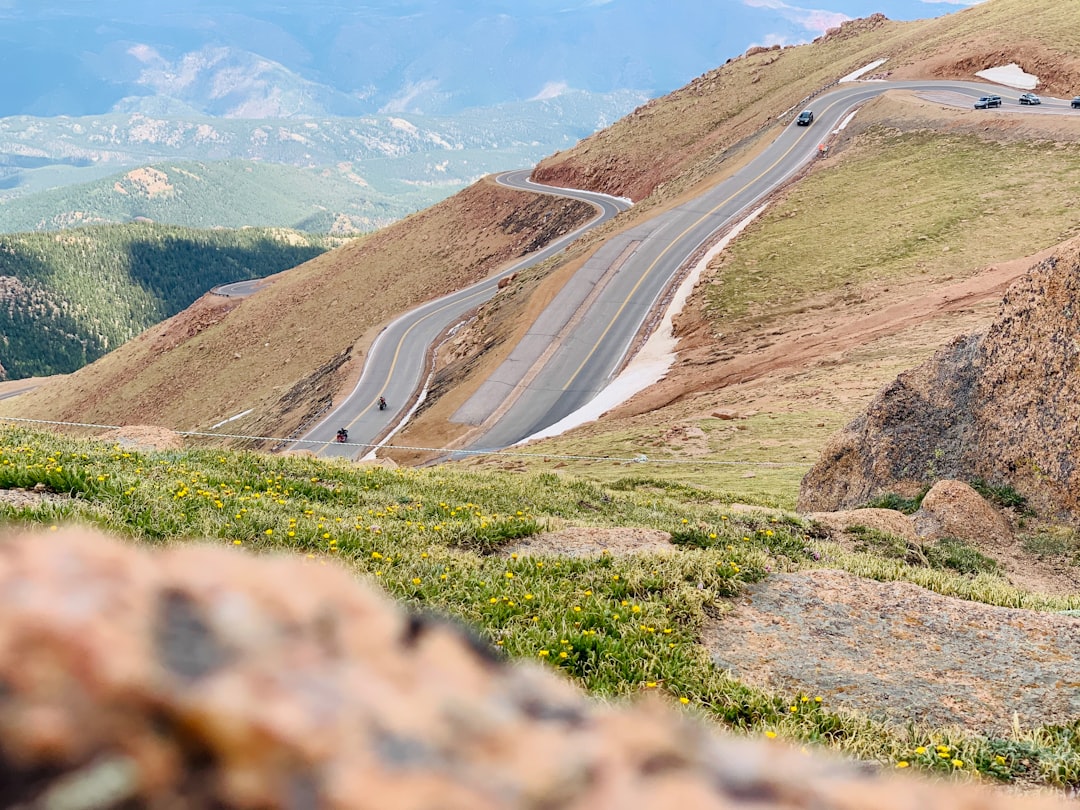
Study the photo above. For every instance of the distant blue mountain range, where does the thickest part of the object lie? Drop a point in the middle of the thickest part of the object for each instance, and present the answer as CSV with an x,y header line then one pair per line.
x,y
368,110
319,58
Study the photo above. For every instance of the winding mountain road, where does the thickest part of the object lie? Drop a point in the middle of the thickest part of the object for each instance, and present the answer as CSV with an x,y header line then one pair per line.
x,y
581,340
397,361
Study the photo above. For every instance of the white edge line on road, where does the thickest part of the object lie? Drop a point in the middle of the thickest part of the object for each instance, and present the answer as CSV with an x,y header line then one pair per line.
x,y
656,357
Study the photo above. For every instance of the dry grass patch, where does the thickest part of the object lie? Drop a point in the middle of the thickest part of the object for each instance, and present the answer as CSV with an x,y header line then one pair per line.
x,y
954,203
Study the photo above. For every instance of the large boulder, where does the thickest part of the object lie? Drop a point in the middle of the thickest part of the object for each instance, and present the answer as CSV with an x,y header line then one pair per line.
x,y
201,677
954,509
1003,406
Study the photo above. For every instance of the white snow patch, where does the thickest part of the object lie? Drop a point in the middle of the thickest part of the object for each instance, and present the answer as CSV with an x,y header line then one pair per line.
x,y
843,124
1010,75
401,123
231,419
656,356
551,90
864,69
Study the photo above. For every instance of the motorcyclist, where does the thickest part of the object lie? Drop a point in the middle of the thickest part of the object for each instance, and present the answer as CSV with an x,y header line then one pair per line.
x,y
343,435
382,403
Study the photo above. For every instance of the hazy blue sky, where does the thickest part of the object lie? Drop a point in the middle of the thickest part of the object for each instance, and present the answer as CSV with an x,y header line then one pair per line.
x,y
423,56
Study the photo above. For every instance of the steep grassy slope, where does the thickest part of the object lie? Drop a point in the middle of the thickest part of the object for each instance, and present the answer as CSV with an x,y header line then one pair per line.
x,y
69,298
617,623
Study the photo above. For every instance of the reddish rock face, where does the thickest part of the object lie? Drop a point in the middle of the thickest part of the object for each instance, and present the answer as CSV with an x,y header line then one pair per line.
x,y
1003,406
201,677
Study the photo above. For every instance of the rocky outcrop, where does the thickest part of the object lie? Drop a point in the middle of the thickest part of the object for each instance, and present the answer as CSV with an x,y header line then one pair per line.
x,y
1003,406
950,509
954,509
198,677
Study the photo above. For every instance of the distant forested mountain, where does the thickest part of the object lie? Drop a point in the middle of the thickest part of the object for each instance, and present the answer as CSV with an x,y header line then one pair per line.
x,y
68,298
228,194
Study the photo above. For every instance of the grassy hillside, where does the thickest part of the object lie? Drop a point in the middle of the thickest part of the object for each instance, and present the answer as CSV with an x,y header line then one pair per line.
x,y
69,298
439,540
696,135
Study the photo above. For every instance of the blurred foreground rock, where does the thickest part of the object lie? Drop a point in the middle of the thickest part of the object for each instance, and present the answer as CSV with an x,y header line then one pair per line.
x,y
1003,406
202,677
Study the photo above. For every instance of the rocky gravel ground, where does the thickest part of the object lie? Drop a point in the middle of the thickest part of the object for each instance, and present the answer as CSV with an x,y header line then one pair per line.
x,y
901,653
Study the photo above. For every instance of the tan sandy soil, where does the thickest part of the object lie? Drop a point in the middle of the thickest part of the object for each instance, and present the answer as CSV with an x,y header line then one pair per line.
x,y
593,541
144,437
30,498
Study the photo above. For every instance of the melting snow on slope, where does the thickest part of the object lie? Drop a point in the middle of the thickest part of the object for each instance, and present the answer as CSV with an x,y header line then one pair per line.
x,y
1011,75
865,69
655,358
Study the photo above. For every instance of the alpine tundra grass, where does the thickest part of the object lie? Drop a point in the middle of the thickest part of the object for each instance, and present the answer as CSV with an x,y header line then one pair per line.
x,y
437,539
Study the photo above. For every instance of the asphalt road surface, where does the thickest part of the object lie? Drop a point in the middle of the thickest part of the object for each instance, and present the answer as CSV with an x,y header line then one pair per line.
x,y
396,365
582,339
599,315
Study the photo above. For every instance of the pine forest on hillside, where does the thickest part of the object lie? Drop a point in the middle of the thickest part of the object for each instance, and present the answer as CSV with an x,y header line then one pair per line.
x,y
66,299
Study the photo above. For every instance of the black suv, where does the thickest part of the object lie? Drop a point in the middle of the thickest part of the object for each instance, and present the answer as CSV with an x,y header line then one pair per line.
x,y
806,117
1076,102
986,102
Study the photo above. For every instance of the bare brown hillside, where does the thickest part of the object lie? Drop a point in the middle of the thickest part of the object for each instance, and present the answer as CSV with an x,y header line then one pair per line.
x,y
1002,405
285,350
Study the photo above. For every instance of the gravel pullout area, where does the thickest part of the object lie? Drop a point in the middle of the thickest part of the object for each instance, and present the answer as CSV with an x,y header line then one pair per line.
x,y
901,653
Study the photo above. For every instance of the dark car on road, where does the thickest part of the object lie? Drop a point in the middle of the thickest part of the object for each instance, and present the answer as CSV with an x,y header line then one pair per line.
x,y
806,117
1076,102
986,102
1030,98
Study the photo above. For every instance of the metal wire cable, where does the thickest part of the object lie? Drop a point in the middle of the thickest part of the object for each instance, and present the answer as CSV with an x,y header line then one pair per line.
x,y
639,459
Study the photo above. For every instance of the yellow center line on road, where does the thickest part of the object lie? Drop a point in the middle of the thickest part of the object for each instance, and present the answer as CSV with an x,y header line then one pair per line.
x,y
671,244
397,355
401,343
